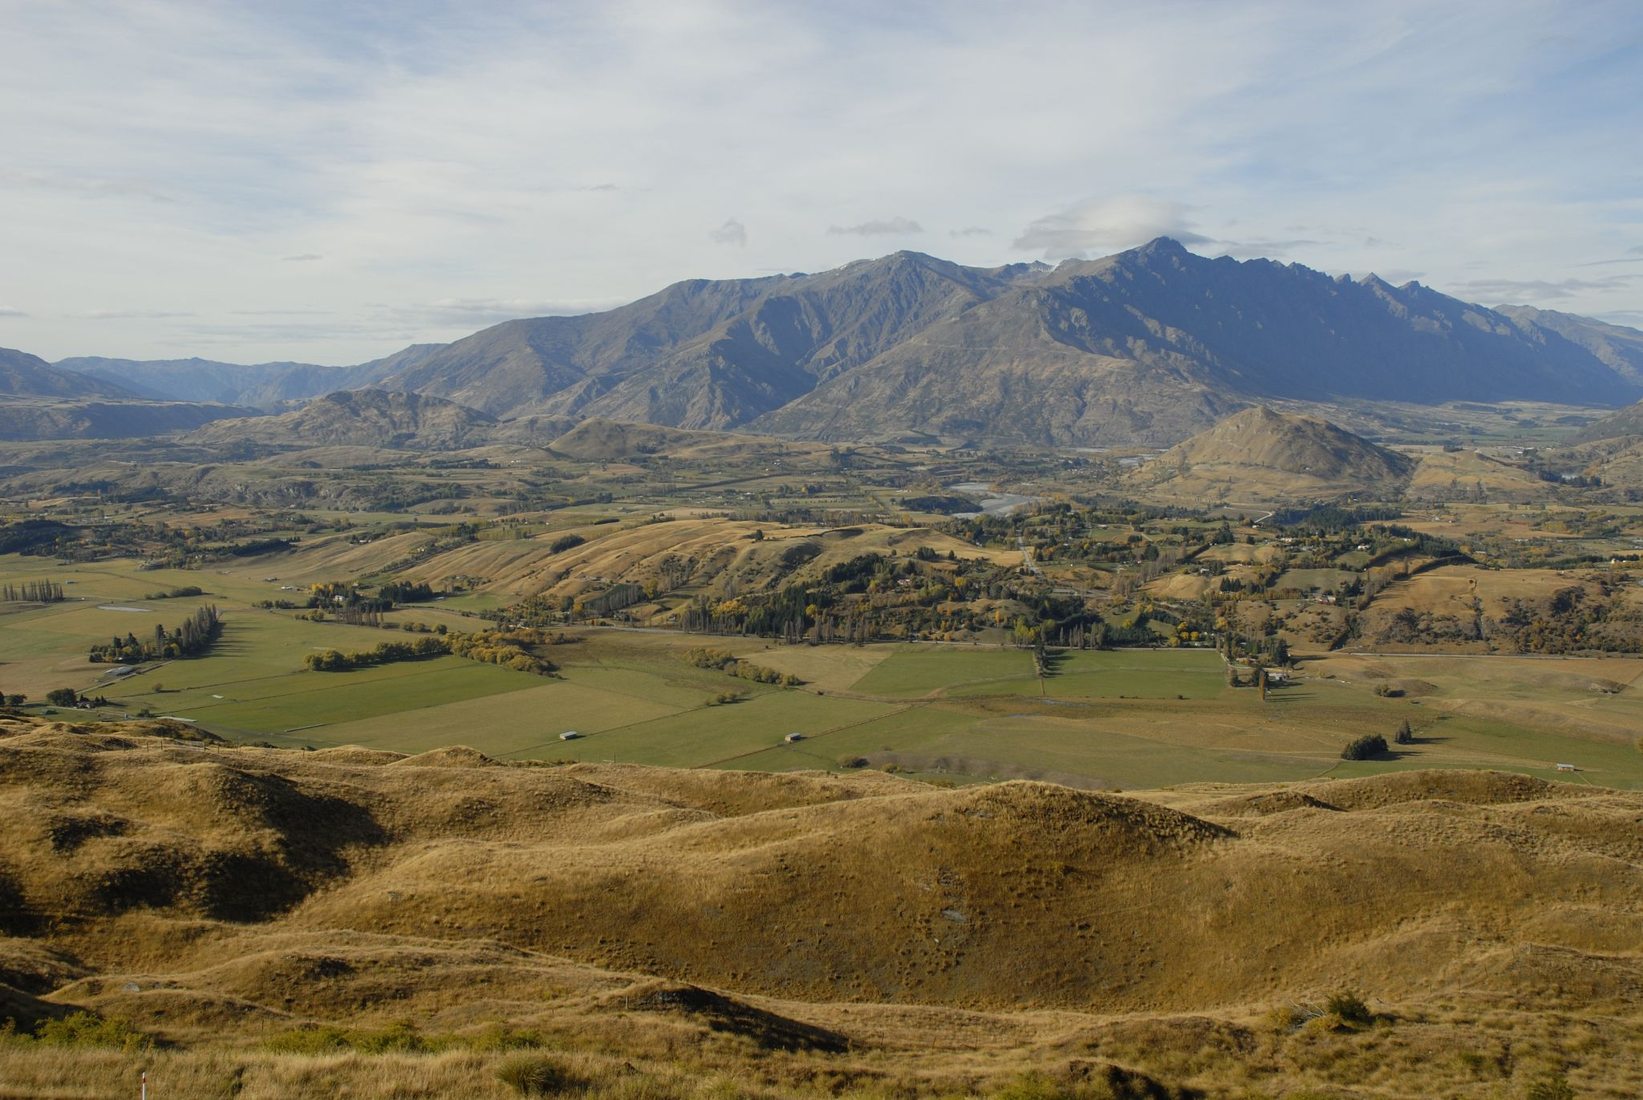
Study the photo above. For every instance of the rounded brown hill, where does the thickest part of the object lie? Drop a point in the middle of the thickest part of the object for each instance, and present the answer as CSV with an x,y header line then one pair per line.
x,y
1262,453
362,418
599,440
1625,424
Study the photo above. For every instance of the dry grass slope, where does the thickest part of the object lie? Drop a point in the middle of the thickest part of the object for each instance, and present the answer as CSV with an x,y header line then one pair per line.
x,y
803,934
1259,454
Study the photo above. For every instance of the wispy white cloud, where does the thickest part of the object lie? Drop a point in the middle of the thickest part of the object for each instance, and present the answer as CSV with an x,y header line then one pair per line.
x,y
522,153
1537,290
1102,225
470,313
129,314
89,186
877,227
731,232
1269,248
302,258
7,311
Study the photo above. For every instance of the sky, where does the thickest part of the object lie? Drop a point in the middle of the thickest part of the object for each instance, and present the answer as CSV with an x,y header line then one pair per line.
x,y
289,181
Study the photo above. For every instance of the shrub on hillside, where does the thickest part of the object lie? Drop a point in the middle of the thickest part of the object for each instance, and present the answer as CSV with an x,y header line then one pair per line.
x,y
1349,1008
1367,747
1405,734
1094,1083
84,1029
324,1039
799,553
1555,1087
541,1075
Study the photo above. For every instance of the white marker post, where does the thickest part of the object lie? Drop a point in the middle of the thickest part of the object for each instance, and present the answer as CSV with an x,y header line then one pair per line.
x,y
143,1092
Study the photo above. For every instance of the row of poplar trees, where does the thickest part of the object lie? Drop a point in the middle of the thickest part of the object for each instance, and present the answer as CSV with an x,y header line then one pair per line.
x,y
192,638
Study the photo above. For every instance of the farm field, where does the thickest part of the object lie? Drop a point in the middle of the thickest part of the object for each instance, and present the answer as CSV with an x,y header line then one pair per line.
x,y
1113,719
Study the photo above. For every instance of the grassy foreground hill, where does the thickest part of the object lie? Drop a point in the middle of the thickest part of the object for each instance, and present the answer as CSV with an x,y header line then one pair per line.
x,y
263,923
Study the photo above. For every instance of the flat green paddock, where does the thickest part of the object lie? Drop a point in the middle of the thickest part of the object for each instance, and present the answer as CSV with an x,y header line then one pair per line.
x,y
659,678
933,670
1125,718
914,671
721,735
315,700
1118,674
522,724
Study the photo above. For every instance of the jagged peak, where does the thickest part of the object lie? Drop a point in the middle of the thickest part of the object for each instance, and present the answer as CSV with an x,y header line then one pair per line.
x,y
1162,246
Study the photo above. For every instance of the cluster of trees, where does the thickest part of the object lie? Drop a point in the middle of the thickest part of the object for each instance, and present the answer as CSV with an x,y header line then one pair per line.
x,y
194,637
36,536
1593,615
407,592
68,697
497,647
354,606
725,661
874,597
342,594
387,653
1370,746
32,592
184,592
506,648
1574,618
1267,649
1325,519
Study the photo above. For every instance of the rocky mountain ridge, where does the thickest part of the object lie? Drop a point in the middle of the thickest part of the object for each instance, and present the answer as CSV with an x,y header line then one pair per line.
x,y
1147,346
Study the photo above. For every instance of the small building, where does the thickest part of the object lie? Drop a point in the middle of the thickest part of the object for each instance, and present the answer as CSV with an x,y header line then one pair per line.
x,y
793,738
569,735
1567,768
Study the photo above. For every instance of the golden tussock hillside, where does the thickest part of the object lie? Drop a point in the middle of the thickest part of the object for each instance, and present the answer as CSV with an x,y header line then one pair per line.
x,y
794,930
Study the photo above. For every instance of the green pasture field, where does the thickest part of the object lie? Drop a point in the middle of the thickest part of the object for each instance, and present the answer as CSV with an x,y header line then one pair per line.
x,y
916,671
1125,718
1116,674
721,735
522,724
927,671
1307,579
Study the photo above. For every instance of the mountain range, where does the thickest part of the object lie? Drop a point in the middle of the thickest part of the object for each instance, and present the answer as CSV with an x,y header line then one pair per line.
x,y
42,401
1144,347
